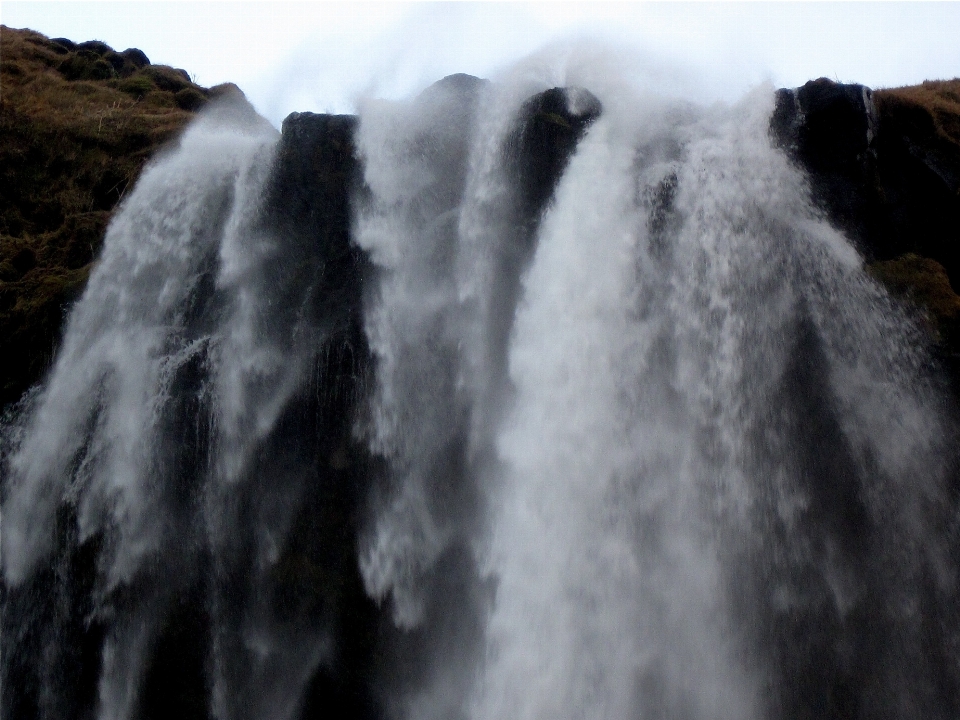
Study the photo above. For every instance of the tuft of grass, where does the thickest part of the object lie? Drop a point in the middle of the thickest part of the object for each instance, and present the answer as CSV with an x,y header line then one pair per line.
x,y
168,78
137,86
923,282
78,121
190,99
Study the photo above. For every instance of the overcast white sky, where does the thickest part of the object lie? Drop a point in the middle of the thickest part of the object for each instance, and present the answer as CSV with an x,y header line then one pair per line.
x,y
323,56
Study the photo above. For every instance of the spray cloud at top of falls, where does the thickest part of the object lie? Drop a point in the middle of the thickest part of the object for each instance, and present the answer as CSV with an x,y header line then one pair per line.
x,y
543,397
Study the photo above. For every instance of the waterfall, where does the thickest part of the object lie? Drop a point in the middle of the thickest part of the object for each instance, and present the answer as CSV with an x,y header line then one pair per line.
x,y
546,397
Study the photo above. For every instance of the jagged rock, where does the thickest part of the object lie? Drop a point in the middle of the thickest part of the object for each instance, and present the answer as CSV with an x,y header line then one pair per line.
x,y
551,124
881,165
829,129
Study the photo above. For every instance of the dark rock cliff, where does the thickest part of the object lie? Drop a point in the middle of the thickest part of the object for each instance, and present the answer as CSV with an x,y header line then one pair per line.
x,y
317,173
884,166
322,277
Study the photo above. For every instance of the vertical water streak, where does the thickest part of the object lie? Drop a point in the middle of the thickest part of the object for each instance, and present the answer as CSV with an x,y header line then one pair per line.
x,y
607,584
827,440
697,430
457,180
493,248
621,434
95,464
289,370
416,549
414,166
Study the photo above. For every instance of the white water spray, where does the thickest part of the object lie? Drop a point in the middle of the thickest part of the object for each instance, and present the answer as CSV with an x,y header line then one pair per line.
x,y
631,435
647,448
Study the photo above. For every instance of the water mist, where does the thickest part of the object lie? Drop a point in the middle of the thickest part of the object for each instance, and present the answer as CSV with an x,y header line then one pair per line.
x,y
545,397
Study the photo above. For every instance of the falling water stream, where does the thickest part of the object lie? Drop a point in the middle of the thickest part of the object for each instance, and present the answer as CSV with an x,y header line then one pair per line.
x,y
428,415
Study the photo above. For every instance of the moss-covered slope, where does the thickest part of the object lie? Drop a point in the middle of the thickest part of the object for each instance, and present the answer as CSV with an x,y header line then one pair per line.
x,y
77,124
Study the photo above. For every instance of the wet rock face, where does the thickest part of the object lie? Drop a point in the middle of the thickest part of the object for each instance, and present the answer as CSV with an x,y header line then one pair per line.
x,y
884,166
551,124
315,174
308,204
918,173
829,129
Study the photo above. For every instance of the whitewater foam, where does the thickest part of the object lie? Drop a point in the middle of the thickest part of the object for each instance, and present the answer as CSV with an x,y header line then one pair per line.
x,y
638,440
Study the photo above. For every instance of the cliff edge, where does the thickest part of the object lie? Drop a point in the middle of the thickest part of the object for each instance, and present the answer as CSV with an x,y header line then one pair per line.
x,y
77,124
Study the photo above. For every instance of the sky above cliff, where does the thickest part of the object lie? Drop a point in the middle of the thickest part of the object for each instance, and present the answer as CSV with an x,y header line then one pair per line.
x,y
325,56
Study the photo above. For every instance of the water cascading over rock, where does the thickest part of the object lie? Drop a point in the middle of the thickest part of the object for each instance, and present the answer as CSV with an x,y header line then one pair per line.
x,y
549,397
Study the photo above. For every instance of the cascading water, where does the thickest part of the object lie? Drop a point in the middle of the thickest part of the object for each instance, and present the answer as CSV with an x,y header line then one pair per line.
x,y
504,401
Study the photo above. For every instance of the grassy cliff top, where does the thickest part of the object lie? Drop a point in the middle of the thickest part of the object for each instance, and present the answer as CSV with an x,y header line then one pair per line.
x,y
935,102
77,123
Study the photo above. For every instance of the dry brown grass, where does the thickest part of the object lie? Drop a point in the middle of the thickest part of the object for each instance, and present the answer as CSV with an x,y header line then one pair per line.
x,y
77,126
924,283
71,146
938,100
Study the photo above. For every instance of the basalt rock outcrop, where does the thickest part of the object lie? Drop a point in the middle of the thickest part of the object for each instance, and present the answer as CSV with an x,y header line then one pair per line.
x,y
884,166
